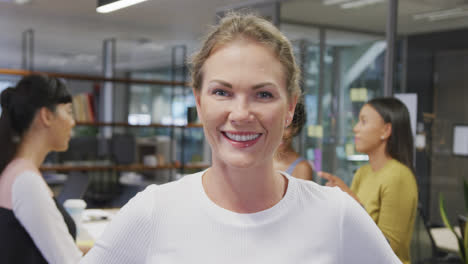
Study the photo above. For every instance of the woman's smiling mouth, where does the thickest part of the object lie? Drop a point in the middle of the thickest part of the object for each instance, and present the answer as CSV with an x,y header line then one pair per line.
x,y
242,139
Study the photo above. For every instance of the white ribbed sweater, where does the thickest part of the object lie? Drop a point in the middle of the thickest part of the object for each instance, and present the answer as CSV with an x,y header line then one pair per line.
x,y
178,223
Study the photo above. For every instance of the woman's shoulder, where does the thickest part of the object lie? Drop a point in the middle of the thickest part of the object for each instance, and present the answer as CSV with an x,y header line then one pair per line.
x,y
156,200
21,164
331,203
17,167
398,171
309,190
399,176
185,183
171,191
364,170
395,164
18,170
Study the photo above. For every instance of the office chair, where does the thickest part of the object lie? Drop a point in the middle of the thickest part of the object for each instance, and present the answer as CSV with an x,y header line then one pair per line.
x,y
74,187
123,148
438,256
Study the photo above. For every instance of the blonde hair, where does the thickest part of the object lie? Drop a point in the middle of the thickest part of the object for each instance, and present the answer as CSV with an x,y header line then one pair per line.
x,y
235,25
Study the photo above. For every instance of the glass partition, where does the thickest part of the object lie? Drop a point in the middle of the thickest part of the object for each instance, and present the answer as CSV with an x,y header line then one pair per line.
x,y
353,66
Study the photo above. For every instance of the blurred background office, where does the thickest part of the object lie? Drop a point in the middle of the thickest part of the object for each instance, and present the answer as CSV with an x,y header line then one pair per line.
x,y
133,133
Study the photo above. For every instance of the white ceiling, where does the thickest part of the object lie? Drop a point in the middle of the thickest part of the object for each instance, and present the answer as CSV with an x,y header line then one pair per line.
x,y
69,33
372,18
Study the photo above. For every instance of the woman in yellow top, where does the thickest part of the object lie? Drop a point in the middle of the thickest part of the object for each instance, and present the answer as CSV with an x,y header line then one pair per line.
x,y
386,187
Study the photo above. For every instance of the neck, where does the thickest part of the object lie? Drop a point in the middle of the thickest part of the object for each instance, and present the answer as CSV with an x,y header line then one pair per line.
x,y
378,158
32,148
284,151
244,190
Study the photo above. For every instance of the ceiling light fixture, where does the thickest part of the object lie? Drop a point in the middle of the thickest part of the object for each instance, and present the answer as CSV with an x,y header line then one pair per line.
x,y
334,2
19,2
106,6
360,3
345,4
443,14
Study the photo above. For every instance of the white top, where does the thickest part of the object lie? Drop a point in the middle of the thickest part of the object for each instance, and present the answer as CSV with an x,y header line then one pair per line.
x,y
35,209
178,223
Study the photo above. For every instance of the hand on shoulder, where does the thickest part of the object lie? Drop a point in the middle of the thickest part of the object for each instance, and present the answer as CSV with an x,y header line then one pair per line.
x,y
333,181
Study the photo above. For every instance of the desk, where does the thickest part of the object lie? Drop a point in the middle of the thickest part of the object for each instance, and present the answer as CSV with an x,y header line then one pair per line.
x,y
445,239
92,229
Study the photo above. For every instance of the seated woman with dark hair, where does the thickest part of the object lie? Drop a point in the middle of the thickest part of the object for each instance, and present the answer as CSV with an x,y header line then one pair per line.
x,y
386,187
36,119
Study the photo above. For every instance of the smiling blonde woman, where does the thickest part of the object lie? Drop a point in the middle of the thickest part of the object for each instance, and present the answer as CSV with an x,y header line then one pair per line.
x,y
241,210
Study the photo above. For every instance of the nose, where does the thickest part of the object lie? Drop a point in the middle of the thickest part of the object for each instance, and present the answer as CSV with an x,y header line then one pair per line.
x,y
240,111
355,128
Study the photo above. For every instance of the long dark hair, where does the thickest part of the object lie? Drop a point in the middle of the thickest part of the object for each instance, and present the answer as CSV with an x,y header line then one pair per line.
x,y
19,106
400,142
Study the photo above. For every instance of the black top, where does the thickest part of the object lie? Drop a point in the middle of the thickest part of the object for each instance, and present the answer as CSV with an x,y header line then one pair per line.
x,y
16,246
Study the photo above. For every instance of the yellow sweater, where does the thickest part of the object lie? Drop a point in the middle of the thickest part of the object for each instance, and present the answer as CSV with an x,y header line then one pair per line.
x,y
390,196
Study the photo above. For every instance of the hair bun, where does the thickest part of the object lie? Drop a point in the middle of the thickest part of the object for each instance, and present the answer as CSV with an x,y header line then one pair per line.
x,y
6,98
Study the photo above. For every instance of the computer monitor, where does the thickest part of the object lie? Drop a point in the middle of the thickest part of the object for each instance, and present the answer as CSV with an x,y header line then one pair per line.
x,y
83,148
460,140
123,148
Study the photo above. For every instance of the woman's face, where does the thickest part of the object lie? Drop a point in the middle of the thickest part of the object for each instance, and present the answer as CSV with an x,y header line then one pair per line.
x,y
371,131
243,103
62,126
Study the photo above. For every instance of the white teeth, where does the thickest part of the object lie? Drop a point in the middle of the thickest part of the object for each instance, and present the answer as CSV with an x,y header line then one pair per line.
x,y
242,137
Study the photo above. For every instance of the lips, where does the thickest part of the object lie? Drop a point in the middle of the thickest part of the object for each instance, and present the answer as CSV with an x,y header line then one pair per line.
x,y
242,139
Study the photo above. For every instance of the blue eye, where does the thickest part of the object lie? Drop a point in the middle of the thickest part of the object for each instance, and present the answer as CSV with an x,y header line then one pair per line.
x,y
265,95
220,92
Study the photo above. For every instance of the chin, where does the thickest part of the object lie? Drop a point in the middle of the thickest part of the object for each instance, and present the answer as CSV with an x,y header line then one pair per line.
x,y
361,150
248,162
61,148
238,162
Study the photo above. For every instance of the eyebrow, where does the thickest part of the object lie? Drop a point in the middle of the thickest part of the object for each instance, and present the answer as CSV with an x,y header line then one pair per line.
x,y
223,83
261,85
255,87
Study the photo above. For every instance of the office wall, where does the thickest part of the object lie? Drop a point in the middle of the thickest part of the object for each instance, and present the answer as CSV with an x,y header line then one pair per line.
x,y
421,52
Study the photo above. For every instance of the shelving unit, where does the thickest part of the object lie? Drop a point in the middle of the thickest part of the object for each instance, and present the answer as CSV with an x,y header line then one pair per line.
x,y
109,173
123,124
81,77
136,167
19,72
